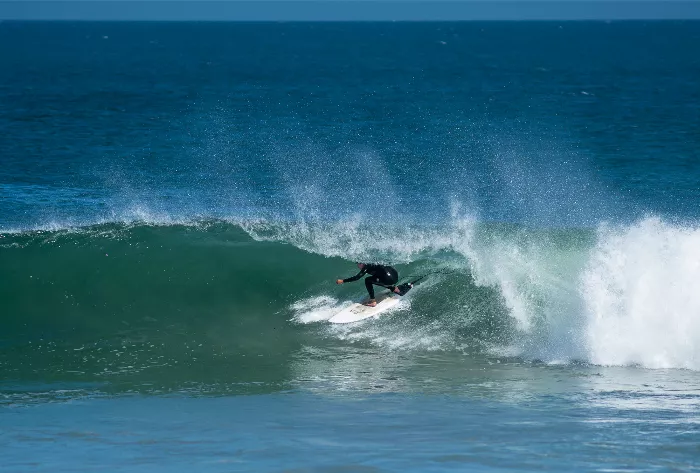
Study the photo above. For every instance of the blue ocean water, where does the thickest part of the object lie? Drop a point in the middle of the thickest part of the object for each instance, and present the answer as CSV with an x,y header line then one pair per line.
x,y
177,199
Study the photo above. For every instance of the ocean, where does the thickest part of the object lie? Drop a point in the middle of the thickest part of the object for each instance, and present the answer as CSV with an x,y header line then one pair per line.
x,y
178,199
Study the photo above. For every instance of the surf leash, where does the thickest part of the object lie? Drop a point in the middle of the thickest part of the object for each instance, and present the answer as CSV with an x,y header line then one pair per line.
x,y
407,286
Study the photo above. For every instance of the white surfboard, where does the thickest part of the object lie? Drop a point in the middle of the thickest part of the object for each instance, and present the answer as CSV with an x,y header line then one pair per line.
x,y
357,311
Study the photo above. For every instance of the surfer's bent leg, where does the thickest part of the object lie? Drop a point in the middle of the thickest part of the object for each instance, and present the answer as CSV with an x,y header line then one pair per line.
x,y
369,284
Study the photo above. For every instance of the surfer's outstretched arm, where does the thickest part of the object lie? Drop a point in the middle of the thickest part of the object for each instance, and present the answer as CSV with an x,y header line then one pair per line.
x,y
353,278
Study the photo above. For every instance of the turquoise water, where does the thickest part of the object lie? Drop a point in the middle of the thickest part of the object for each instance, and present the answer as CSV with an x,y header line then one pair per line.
x,y
177,200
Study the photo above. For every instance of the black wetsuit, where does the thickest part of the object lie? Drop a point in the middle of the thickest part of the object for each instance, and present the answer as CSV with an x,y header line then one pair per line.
x,y
379,275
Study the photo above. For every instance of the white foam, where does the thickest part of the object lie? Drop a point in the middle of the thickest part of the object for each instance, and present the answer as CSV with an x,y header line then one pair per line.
x,y
396,330
315,309
642,294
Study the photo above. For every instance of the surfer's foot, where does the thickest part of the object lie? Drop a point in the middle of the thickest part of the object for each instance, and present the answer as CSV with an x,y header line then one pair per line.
x,y
371,303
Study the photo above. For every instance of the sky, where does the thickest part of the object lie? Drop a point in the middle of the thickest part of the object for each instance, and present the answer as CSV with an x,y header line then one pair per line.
x,y
347,10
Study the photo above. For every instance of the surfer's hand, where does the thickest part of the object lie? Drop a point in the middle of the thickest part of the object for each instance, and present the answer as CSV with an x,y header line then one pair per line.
x,y
339,281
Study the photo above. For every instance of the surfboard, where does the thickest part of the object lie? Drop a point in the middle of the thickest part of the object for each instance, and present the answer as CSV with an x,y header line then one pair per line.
x,y
357,311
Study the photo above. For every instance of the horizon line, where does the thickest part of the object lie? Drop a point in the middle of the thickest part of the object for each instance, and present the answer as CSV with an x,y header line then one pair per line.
x,y
349,11
547,20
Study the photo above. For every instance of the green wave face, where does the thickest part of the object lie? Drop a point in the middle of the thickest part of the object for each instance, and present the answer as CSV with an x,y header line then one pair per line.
x,y
240,307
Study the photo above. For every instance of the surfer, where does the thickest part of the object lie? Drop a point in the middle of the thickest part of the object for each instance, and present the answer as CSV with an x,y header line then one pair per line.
x,y
379,275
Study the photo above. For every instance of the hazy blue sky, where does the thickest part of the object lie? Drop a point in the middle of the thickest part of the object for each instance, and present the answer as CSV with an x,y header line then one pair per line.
x,y
348,10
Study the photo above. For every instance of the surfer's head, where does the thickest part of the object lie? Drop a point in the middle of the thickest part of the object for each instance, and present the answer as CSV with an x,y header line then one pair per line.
x,y
360,265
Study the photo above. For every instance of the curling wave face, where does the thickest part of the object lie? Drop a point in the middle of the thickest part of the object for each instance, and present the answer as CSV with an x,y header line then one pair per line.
x,y
227,305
